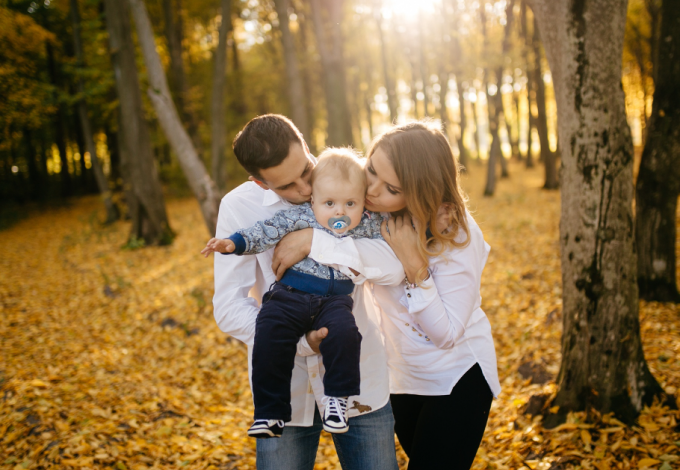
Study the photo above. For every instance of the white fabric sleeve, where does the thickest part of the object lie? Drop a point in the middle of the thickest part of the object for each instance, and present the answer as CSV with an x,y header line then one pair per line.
x,y
235,312
444,304
303,347
373,259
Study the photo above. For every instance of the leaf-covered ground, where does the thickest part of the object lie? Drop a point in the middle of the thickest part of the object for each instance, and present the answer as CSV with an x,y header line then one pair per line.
x,y
111,358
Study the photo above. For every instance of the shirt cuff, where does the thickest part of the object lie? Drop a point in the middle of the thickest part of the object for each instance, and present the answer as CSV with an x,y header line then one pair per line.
x,y
239,242
418,298
303,347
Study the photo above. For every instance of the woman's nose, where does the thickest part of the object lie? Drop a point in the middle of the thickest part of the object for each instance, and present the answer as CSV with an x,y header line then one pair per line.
x,y
371,191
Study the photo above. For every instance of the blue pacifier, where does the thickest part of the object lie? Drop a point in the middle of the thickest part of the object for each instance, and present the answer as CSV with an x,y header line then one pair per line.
x,y
339,223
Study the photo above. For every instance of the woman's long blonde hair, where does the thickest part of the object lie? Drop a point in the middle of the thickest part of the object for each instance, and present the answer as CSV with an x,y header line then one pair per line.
x,y
429,175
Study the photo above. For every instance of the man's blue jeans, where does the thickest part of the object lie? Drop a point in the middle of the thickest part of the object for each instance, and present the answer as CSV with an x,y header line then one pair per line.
x,y
368,445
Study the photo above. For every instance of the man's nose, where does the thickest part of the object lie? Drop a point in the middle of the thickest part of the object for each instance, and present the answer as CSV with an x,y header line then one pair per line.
x,y
305,189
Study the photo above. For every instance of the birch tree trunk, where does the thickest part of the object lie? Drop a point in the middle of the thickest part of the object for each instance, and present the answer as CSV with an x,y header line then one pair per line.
x,y
339,125
217,129
658,182
603,366
143,190
199,180
296,94
100,177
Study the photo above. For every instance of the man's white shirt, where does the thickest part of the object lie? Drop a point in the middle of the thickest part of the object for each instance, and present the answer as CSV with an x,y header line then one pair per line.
x,y
240,282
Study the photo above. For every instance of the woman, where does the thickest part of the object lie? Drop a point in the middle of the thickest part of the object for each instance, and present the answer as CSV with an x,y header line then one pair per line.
x,y
438,341
440,351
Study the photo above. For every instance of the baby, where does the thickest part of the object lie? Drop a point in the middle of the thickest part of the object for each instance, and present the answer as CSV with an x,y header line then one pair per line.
x,y
309,296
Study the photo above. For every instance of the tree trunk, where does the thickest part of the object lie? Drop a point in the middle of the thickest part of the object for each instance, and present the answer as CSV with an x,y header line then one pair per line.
x,y
547,156
59,123
495,153
603,366
475,118
102,182
422,63
389,84
530,82
464,155
144,193
296,94
173,35
218,140
658,182
199,180
339,125
516,151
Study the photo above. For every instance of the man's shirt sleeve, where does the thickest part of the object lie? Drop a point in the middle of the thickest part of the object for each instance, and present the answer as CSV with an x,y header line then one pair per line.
x,y
235,312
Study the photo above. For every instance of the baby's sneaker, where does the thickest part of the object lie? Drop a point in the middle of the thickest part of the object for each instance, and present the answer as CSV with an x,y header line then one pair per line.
x,y
335,415
266,428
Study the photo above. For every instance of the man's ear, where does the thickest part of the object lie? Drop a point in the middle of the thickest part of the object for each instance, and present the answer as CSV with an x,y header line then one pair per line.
x,y
304,144
259,183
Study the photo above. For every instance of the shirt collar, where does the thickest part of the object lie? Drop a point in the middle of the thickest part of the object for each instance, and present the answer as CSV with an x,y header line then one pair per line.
x,y
271,198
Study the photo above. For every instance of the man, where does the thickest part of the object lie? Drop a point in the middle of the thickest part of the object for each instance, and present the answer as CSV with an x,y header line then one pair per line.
x,y
273,152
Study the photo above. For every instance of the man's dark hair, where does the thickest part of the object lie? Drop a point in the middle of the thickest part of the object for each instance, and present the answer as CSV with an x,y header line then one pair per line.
x,y
264,142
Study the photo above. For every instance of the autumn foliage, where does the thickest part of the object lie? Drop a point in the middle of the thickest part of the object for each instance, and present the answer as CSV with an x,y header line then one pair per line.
x,y
111,357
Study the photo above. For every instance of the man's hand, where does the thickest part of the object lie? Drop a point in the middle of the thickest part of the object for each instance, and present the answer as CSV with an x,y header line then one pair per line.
x,y
314,338
218,245
291,249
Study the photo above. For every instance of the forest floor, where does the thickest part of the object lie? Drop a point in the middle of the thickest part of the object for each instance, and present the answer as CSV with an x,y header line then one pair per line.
x,y
111,357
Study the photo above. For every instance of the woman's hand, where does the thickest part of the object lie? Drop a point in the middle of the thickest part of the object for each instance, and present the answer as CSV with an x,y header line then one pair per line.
x,y
291,249
402,237
444,217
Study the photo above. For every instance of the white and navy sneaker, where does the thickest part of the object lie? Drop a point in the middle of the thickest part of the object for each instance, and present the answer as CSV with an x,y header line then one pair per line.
x,y
335,415
266,428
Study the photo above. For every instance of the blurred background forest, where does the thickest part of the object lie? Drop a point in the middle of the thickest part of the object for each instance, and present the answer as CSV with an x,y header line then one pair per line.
x,y
343,71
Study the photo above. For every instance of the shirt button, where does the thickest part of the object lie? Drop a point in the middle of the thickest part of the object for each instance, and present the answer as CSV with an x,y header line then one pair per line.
x,y
407,324
314,375
408,295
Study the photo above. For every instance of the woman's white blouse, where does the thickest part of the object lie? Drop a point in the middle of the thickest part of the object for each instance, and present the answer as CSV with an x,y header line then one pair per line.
x,y
435,333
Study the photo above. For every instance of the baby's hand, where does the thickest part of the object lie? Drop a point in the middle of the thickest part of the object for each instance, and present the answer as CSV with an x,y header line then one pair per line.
x,y
218,245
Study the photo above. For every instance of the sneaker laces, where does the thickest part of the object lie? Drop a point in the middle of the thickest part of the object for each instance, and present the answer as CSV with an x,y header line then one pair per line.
x,y
335,406
270,422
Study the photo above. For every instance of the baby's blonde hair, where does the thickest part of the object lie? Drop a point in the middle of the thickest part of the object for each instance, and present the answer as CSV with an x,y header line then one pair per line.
x,y
341,163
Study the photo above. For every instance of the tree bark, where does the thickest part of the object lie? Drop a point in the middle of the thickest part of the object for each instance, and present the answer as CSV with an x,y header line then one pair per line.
x,y
603,366
172,12
199,180
339,128
530,82
144,193
658,182
464,154
218,140
547,156
102,182
296,94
